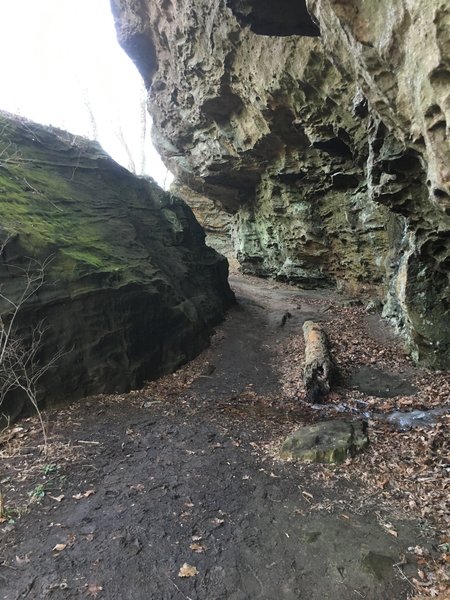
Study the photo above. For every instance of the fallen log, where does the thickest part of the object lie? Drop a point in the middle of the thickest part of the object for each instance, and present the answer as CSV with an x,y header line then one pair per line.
x,y
319,366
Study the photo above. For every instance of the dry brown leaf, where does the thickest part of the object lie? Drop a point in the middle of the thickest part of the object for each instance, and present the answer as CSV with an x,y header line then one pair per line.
x,y
188,571
57,498
81,495
138,487
382,483
197,548
392,532
59,547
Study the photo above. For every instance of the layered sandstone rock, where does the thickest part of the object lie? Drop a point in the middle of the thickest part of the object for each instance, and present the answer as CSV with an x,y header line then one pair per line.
x,y
216,222
330,150
131,291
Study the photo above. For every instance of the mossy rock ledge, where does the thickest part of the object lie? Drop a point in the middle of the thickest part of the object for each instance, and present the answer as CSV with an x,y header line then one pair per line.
x,y
326,442
131,291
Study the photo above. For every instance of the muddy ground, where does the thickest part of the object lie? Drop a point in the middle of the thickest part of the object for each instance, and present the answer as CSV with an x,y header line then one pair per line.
x,y
182,478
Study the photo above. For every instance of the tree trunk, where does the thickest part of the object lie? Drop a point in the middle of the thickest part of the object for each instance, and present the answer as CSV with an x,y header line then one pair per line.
x,y
319,366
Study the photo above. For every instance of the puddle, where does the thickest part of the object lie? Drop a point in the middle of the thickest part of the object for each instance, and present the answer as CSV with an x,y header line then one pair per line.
x,y
403,420
374,382
413,418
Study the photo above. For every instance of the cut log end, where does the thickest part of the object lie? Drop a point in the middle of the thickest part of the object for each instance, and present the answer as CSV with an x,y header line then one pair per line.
x,y
319,365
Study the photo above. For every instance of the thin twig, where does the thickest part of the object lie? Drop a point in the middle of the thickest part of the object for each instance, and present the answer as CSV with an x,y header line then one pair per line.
x,y
42,195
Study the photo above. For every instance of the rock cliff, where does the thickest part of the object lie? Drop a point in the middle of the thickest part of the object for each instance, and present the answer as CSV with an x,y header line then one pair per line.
x,y
216,222
322,126
131,291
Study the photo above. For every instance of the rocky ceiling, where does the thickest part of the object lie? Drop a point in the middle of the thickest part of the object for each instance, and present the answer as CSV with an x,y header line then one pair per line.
x,y
285,17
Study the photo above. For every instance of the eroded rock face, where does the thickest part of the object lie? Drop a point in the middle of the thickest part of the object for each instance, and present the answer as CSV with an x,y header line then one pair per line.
x,y
216,222
399,53
131,290
330,151
291,17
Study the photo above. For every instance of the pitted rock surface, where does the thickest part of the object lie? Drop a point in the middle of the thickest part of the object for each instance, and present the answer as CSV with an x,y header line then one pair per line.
x,y
331,152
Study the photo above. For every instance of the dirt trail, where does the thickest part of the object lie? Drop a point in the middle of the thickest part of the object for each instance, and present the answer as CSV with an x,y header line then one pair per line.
x,y
152,481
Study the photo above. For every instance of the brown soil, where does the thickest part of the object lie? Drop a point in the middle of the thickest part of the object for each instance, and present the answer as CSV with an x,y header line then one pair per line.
x,y
182,478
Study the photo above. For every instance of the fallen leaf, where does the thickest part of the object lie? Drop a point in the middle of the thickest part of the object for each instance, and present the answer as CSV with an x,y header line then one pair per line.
x,y
57,498
382,483
196,538
392,532
81,495
59,547
138,487
218,522
188,571
197,548
22,561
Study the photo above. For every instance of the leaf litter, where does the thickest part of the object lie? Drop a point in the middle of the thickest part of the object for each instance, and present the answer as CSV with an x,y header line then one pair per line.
x,y
405,471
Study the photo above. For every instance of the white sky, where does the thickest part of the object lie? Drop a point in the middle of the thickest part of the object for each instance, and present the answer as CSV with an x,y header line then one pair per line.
x,y
56,57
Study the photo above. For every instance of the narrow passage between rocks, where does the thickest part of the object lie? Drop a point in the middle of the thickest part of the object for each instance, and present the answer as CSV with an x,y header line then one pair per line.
x,y
175,491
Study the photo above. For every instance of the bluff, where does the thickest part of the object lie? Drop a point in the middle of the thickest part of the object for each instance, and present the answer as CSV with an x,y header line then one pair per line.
x,y
131,291
322,127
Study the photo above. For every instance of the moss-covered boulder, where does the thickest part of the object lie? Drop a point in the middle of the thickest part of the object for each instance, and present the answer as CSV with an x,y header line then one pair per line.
x,y
326,442
131,290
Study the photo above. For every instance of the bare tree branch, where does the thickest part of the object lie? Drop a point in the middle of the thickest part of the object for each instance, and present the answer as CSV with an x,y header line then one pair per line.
x,y
20,367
